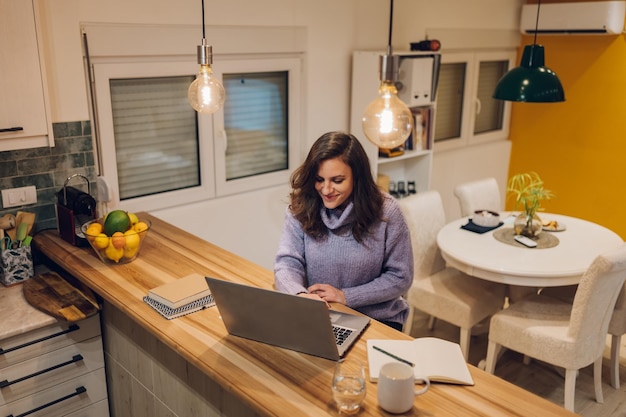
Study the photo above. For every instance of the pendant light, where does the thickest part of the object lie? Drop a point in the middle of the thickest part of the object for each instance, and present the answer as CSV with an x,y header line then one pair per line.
x,y
387,121
532,81
206,93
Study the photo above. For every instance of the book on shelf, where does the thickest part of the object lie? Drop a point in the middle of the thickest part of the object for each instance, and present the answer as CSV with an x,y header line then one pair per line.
x,y
438,359
181,291
421,136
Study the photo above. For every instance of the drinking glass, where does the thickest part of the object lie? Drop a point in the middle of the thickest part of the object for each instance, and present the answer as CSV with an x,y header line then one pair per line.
x,y
348,386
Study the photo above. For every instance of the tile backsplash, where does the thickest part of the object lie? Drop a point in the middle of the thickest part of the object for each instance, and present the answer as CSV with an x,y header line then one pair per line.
x,y
48,168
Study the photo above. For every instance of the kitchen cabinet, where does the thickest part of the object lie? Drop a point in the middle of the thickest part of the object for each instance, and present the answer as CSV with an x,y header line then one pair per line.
x,y
417,88
467,113
51,368
24,110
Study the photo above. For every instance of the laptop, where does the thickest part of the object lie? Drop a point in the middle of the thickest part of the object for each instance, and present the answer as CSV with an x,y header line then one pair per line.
x,y
285,320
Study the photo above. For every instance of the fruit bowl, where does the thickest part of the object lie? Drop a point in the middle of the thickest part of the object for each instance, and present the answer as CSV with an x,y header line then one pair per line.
x,y
120,247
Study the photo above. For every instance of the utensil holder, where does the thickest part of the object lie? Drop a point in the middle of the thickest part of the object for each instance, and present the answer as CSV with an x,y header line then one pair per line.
x,y
16,265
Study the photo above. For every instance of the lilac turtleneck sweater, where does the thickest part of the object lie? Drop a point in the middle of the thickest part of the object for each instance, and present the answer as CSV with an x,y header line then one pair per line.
x,y
373,274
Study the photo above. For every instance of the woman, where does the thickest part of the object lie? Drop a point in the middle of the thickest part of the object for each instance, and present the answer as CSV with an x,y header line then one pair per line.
x,y
344,240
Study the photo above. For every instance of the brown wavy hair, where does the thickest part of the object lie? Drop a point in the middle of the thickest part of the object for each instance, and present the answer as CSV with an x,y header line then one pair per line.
x,y
306,203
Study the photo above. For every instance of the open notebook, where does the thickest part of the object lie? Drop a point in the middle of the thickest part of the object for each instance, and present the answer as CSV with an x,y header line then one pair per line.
x,y
438,359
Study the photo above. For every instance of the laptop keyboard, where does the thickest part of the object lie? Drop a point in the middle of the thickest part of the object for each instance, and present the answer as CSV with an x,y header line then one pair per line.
x,y
341,334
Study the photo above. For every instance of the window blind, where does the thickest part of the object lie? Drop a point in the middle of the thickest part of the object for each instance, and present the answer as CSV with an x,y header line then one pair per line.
x,y
450,101
256,123
156,135
491,113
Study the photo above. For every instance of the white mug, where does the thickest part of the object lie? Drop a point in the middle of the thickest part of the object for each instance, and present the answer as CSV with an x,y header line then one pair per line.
x,y
396,387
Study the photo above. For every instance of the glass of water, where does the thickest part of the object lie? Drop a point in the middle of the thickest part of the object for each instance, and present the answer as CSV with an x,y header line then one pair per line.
x,y
349,386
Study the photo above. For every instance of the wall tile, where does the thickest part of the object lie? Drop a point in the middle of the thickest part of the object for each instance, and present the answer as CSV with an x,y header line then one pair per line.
x,y
48,169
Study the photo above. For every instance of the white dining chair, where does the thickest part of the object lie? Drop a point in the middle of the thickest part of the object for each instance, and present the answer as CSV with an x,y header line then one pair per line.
x,y
617,328
571,336
441,291
617,325
483,194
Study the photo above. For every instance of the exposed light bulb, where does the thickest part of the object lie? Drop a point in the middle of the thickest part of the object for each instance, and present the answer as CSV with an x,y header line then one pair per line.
x,y
387,121
206,93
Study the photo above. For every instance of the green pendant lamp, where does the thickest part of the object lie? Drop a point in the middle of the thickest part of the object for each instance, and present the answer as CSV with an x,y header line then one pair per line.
x,y
532,81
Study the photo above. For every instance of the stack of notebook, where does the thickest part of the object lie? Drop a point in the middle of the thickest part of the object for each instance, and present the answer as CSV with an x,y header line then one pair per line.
x,y
183,296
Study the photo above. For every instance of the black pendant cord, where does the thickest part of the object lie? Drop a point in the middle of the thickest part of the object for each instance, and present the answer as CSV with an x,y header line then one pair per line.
x,y
390,28
203,30
536,22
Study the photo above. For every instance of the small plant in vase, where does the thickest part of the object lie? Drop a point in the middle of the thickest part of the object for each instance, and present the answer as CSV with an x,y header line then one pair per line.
x,y
528,191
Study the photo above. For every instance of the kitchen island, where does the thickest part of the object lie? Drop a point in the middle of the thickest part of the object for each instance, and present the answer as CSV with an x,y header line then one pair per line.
x,y
191,366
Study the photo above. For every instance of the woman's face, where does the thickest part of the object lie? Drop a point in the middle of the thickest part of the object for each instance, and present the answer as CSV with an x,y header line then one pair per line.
x,y
334,182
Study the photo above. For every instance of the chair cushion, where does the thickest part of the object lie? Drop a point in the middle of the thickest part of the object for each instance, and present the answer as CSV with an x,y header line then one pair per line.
x,y
456,298
538,326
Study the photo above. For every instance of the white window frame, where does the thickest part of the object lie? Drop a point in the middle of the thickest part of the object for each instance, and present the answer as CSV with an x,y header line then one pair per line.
x,y
172,48
224,187
470,104
103,72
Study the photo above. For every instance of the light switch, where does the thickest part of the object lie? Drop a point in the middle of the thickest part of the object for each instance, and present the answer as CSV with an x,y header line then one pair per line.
x,y
22,196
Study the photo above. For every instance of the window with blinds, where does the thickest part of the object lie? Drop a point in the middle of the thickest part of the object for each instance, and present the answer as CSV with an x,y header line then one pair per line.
x,y
450,93
156,135
256,123
154,151
158,152
466,112
489,116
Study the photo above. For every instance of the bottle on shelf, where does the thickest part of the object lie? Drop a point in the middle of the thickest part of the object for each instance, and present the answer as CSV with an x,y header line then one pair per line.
x,y
401,188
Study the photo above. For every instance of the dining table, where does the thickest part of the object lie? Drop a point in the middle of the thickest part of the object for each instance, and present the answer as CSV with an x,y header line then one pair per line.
x,y
560,259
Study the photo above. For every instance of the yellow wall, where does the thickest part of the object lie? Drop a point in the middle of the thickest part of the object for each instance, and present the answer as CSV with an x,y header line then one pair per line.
x,y
579,147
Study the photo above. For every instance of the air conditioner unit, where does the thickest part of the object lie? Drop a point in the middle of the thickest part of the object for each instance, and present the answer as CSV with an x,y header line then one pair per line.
x,y
598,17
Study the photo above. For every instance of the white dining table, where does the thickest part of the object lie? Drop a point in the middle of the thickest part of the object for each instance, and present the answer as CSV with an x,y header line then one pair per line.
x,y
484,256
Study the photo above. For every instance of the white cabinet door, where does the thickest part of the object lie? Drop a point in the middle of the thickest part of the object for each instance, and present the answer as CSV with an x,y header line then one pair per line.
x,y
24,122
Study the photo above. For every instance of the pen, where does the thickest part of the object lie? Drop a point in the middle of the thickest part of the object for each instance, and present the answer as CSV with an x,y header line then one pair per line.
x,y
394,356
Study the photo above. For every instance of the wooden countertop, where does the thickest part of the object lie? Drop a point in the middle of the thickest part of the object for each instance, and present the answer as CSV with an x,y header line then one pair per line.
x,y
271,380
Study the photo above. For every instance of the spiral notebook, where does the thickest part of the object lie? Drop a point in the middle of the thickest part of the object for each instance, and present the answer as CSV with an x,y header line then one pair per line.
x,y
181,296
172,313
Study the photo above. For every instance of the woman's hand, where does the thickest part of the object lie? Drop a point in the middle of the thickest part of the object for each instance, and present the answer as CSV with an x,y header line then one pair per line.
x,y
328,293
314,297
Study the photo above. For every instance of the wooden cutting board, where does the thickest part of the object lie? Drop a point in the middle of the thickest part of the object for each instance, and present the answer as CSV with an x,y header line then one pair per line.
x,y
53,295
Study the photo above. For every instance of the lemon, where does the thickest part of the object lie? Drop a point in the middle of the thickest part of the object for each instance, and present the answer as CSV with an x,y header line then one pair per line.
x,y
101,241
130,253
133,218
132,239
132,243
116,221
140,227
93,231
114,253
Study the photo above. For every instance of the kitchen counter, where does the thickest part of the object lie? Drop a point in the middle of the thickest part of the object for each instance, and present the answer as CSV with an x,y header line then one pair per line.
x,y
17,316
241,377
